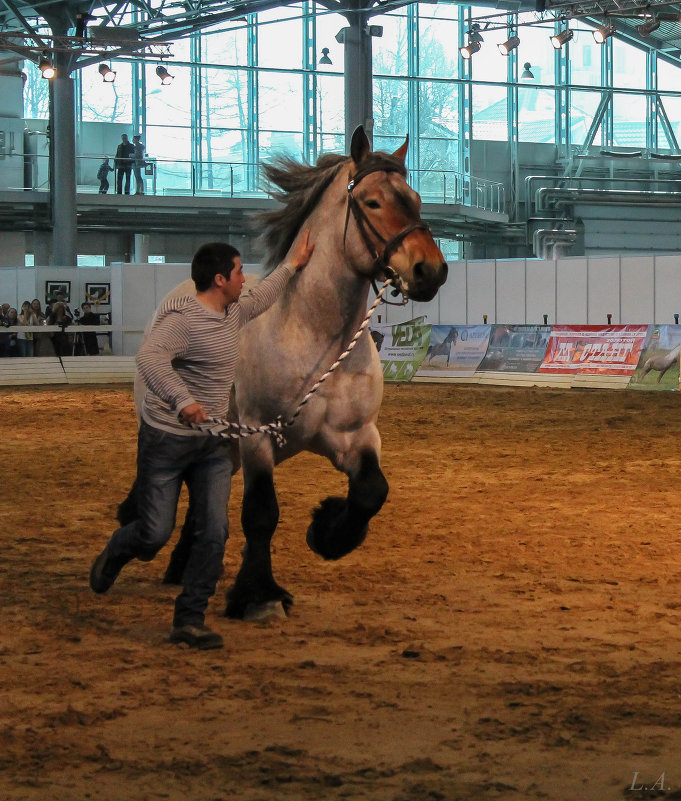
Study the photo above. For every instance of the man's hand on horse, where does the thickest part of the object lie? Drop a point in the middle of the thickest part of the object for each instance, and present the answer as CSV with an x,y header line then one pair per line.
x,y
302,250
194,413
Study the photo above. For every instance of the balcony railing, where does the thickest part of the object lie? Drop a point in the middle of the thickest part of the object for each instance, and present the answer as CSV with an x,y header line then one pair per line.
x,y
234,179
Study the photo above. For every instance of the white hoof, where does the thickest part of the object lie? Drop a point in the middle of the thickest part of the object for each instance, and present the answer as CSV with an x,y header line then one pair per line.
x,y
272,610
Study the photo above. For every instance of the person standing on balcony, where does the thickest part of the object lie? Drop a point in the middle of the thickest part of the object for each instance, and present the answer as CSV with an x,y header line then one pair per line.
x,y
123,164
138,163
103,175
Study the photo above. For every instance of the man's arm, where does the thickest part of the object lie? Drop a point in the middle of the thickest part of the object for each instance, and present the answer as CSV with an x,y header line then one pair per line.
x,y
169,339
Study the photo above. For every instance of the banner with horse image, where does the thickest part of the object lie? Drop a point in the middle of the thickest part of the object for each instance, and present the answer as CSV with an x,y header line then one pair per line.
x,y
454,350
516,348
595,349
658,367
401,348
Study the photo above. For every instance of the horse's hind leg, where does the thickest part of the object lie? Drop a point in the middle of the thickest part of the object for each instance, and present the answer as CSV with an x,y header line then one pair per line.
x,y
339,525
255,592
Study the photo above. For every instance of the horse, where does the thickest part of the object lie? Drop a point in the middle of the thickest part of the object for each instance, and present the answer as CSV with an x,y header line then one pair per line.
x,y
365,223
661,362
443,348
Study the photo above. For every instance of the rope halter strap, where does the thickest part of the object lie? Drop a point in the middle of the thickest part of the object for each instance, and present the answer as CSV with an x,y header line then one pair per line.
x,y
227,429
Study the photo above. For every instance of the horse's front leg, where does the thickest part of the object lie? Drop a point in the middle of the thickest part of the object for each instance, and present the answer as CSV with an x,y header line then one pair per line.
x,y
339,525
255,594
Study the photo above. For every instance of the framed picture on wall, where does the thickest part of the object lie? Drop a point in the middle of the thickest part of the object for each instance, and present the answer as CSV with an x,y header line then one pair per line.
x,y
98,294
54,288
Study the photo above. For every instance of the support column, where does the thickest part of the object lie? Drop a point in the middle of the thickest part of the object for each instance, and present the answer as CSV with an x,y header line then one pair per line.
x,y
413,91
253,148
462,193
141,253
358,76
63,166
310,108
512,96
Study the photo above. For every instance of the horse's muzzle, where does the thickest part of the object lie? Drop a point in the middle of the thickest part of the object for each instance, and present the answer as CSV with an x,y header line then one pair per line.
x,y
427,279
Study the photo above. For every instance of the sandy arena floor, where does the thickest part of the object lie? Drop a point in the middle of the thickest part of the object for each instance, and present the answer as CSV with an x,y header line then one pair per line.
x,y
509,630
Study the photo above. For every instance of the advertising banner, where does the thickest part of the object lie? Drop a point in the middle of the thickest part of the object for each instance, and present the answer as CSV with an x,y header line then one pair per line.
x,y
454,350
595,349
401,348
658,367
516,348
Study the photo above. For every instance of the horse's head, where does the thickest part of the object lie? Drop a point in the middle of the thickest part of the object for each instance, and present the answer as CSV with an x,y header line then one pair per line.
x,y
383,226
452,336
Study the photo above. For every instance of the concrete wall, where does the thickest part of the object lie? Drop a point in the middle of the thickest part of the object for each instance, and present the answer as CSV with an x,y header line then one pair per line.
x,y
25,283
633,289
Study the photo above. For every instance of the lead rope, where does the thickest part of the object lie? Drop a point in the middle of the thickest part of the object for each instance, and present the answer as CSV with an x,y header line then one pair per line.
x,y
226,429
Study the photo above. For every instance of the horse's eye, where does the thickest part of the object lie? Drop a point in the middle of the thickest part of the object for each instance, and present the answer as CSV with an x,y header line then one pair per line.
x,y
373,204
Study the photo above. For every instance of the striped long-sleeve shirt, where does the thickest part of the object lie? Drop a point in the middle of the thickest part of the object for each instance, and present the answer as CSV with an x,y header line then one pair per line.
x,y
191,351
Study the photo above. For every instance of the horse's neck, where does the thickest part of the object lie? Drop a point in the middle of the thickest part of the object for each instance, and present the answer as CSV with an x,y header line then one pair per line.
x,y
329,296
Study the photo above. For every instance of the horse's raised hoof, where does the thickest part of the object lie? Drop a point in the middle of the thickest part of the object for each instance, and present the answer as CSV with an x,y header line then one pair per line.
x,y
262,613
330,535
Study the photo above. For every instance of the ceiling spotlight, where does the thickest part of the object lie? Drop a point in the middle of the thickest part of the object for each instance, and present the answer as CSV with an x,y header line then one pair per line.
x,y
469,50
527,75
601,34
325,56
108,75
510,44
46,68
474,34
562,38
647,27
164,75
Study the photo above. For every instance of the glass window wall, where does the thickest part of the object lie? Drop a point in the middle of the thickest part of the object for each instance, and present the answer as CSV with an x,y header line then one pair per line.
x,y
536,106
107,102
257,89
438,38
390,55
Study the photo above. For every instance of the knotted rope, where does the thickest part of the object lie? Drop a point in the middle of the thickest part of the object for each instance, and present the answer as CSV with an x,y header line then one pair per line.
x,y
227,429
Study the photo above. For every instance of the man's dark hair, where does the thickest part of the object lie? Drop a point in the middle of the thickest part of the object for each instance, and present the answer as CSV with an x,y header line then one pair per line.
x,y
211,259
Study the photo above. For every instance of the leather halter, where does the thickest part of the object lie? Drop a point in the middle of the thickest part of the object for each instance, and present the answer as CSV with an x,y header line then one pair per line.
x,y
364,226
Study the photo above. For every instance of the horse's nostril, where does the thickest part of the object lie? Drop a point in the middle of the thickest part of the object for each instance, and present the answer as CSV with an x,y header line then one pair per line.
x,y
426,273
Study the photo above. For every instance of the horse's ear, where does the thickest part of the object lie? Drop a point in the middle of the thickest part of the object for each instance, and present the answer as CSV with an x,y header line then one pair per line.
x,y
401,152
360,147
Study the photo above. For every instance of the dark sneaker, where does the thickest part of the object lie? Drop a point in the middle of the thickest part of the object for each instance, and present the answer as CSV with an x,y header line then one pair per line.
x,y
104,572
200,637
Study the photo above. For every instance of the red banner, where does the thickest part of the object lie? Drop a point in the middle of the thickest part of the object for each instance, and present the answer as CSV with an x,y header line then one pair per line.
x,y
610,350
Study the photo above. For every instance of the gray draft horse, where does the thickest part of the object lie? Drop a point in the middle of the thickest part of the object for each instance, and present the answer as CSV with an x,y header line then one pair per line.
x,y
365,222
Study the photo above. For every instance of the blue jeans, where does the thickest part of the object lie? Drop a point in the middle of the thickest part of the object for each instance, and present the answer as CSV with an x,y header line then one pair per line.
x,y
163,461
24,347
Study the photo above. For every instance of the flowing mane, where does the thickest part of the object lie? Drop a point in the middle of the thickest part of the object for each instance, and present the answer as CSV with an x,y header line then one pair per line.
x,y
301,187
